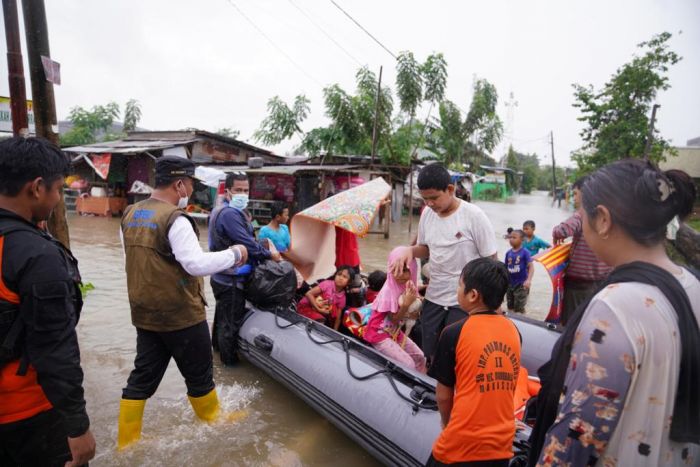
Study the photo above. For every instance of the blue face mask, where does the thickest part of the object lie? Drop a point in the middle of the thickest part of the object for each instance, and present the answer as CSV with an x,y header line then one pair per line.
x,y
239,201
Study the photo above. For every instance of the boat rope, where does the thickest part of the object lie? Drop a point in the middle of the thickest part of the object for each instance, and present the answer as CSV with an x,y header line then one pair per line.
x,y
387,371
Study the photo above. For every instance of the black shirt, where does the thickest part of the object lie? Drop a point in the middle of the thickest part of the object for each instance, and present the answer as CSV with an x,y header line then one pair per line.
x,y
35,268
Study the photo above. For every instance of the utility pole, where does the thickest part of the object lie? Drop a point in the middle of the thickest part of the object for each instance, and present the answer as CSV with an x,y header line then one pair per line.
x,y
375,132
37,32
554,168
650,137
18,93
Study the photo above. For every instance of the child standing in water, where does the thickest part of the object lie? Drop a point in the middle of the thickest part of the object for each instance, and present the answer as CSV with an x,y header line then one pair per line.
x,y
398,300
520,270
326,301
532,242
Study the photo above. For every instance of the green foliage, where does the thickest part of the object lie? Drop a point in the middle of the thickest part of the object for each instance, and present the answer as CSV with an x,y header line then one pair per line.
x,y
544,180
282,121
352,118
87,124
409,83
469,140
85,288
482,125
228,132
91,126
132,115
513,163
402,144
449,139
434,72
617,116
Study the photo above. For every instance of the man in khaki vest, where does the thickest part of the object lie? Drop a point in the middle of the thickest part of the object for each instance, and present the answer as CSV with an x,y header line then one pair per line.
x,y
164,269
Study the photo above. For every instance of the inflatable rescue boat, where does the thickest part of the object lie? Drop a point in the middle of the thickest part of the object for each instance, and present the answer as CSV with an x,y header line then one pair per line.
x,y
387,409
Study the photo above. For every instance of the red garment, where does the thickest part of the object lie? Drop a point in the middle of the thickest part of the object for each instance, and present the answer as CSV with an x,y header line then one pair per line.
x,y
328,292
347,251
371,295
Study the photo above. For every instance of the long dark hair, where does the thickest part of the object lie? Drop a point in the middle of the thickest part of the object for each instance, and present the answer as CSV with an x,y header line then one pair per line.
x,y
642,199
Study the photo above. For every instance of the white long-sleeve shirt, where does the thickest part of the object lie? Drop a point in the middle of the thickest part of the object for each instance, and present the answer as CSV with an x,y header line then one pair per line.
x,y
188,252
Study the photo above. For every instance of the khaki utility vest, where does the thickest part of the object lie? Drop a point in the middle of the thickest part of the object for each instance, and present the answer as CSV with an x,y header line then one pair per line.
x,y
162,295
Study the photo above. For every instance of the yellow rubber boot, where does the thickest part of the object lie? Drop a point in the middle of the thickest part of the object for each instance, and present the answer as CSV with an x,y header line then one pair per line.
x,y
130,418
206,407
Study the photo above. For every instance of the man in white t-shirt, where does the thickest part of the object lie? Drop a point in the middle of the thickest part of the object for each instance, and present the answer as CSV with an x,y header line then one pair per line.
x,y
451,232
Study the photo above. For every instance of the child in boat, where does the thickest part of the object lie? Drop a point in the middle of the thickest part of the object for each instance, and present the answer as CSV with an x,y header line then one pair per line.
x,y
326,301
375,282
532,242
476,367
520,270
397,301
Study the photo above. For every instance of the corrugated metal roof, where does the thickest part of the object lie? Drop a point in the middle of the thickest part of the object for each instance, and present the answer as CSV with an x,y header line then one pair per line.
x,y
125,147
293,169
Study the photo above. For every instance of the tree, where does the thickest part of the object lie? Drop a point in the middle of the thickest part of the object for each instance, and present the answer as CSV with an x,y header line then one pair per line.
x,y
513,163
132,115
282,121
617,116
483,127
434,72
449,139
409,83
89,124
228,132
352,119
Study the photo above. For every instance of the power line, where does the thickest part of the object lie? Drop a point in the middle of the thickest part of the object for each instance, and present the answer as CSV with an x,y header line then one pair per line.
x,y
272,43
325,33
365,30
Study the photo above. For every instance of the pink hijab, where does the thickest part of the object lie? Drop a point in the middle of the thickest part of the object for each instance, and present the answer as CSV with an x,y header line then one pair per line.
x,y
388,298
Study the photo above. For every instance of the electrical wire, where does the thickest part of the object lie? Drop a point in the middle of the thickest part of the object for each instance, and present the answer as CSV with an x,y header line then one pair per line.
x,y
325,33
272,43
365,30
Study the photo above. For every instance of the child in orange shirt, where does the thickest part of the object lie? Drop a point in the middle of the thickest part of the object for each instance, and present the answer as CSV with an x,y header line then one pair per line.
x,y
476,366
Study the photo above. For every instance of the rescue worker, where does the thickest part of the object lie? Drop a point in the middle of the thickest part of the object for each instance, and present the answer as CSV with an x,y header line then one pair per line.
x,y
164,265
43,420
228,225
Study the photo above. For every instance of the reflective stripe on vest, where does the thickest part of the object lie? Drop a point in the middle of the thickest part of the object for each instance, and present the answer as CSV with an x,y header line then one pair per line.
x,y
21,397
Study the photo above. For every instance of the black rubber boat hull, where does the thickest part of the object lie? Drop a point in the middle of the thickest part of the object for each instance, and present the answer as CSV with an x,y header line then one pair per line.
x,y
391,414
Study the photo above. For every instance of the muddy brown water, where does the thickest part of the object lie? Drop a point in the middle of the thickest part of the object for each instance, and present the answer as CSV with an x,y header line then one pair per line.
x,y
278,429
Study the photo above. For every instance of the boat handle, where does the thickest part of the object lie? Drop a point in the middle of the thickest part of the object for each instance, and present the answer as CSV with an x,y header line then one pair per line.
x,y
264,343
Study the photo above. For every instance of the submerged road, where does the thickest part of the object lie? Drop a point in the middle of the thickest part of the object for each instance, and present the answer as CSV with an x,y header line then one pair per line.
x,y
279,429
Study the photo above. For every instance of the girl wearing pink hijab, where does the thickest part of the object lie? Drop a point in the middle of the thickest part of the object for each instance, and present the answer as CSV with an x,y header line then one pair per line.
x,y
397,301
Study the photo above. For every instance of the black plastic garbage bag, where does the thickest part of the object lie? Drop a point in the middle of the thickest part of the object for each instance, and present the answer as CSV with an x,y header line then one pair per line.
x,y
272,284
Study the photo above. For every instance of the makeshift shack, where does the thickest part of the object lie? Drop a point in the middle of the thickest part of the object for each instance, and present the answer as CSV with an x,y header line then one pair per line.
x,y
109,175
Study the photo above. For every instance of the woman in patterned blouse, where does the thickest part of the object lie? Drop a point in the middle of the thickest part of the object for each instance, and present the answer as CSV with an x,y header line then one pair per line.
x,y
630,351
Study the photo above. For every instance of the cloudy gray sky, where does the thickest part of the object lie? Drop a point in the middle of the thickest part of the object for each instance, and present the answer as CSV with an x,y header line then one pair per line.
x,y
201,64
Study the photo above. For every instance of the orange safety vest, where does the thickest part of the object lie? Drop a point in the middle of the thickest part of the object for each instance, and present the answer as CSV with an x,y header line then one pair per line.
x,y
21,397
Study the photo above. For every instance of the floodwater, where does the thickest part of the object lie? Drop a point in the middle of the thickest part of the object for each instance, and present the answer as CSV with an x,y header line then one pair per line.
x,y
279,429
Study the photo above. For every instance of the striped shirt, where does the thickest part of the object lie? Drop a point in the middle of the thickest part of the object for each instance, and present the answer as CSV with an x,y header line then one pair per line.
x,y
583,263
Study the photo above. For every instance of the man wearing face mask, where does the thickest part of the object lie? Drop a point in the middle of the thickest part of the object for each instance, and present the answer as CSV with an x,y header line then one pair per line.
x,y
228,225
164,265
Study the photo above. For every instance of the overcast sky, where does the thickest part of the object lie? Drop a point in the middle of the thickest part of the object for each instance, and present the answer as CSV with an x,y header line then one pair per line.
x,y
201,64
